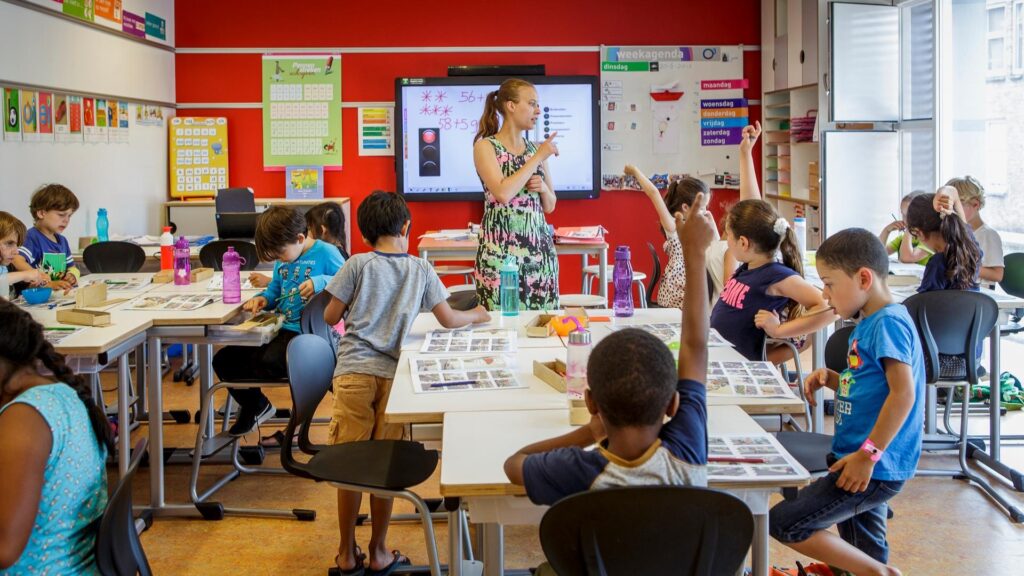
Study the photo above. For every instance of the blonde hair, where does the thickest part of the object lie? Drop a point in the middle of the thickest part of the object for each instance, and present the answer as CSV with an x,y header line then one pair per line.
x,y
494,104
969,188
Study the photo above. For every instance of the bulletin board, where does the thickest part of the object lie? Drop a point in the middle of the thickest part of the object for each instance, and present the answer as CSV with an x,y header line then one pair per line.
x,y
672,110
198,150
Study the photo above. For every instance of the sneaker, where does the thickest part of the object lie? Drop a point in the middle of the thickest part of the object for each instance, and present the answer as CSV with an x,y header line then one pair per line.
x,y
249,418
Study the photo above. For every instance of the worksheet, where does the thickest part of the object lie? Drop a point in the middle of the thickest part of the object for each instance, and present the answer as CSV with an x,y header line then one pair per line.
x,y
748,456
493,340
458,373
744,378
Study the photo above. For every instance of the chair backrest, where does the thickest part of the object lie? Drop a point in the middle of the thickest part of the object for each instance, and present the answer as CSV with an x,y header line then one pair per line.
x,y
837,349
655,273
1013,274
952,322
114,257
310,373
464,300
312,320
118,549
212,254
647,530
235,200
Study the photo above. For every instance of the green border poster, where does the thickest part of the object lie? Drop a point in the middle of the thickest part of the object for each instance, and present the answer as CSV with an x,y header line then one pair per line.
x,y
301,110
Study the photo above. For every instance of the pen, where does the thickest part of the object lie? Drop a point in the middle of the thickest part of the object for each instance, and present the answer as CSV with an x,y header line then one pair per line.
x,y
736,459
446,384
116,281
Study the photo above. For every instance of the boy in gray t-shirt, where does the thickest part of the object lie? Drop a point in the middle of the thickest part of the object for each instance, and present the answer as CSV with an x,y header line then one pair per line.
x,y
379,294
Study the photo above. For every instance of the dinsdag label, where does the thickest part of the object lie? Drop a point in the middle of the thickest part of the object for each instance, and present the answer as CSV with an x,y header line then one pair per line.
x,y
625,66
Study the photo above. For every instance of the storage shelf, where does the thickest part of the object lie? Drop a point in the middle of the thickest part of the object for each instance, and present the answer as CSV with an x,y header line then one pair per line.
x,y
795,200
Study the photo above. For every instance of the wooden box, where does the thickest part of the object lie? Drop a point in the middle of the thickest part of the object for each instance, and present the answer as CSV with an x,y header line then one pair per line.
x,y
553,374
166,276
80,317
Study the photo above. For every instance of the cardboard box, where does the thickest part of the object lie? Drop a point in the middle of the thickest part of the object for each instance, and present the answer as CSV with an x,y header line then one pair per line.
x,y
167,276
81,317
552,373
540,327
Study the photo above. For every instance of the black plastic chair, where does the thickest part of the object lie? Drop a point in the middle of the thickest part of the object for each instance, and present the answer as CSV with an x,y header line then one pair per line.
x,y
235,200
955,322
464,300
655,275
114,257
212,254
647,530
118,549
1013,284
380,467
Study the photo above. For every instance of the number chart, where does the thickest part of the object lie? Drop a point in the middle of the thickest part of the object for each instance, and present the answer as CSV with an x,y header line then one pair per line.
x,y
198,148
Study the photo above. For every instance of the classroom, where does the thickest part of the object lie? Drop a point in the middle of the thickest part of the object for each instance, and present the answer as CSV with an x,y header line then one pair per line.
x,y
714,287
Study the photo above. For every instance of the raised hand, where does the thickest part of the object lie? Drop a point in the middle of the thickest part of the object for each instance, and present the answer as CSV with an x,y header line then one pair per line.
x,y
548,148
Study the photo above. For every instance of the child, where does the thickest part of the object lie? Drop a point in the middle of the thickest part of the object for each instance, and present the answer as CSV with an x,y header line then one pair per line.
x,y
909,252
326,222
45,247
749,308
633,387
53,447
12,235
972,199
280,235
939,222
379,293
878,417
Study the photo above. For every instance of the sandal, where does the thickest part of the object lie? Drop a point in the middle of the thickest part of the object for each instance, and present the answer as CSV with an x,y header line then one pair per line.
x,y
358,570
399,560
276,439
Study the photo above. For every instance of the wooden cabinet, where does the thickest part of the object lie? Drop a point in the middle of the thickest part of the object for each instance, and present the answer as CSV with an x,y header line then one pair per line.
x,y
789,43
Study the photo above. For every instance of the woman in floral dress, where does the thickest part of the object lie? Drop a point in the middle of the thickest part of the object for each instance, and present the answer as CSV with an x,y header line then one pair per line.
x,y
517,195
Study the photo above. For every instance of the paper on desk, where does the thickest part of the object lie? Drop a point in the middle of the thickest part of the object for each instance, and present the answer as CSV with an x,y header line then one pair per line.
x,y
460,234
458,374
176,303
217,283
748,379
671,331
777,463
484,340
55,335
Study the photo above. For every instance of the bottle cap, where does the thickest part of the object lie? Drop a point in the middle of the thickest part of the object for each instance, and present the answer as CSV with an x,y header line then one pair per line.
x,y
580,336
622,253
510,265
167,228
103,211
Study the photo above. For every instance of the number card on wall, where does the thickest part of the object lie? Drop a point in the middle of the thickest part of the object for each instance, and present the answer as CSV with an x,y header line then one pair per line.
x,y
198,150
301,110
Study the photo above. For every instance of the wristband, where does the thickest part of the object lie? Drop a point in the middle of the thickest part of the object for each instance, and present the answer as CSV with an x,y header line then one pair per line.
x,y
874,452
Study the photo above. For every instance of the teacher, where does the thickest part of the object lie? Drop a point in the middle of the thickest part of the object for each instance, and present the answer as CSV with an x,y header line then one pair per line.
x,y
517,194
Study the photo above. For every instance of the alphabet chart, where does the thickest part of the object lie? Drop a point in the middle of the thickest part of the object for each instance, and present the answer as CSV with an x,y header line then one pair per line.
x,y
198,147
301,110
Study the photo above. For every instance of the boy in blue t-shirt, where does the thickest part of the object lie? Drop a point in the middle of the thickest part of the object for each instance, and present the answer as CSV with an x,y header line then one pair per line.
x,y
879,415
45,247
633,386
302,268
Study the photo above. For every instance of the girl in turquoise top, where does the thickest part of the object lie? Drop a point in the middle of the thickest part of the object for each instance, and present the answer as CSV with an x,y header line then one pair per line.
x,y
53,446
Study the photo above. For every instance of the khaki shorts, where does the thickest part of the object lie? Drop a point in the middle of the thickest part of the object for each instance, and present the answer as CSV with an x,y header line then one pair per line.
x,y
358,414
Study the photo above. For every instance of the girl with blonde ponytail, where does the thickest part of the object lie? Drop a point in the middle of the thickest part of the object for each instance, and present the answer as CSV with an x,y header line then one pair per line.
x,y
517,194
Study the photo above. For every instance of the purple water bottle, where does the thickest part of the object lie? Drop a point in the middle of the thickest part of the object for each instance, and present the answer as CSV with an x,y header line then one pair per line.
x,y
622,278
231,265
182,262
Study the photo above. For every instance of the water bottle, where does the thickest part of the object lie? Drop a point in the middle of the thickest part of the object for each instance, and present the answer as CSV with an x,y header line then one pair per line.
x,y
509,290
800,231
166,249
102,225
182,263
231,287
577,355
622,278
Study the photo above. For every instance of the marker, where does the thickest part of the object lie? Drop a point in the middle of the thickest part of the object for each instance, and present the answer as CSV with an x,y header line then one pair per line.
x,y
446,384
736,459
62,328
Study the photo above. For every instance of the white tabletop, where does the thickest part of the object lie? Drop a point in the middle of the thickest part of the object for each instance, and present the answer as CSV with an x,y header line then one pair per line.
x,y
426,322
476,445
92,340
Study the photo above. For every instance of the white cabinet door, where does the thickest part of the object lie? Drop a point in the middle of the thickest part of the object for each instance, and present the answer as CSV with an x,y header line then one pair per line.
x,y
767,45
795,18
809,41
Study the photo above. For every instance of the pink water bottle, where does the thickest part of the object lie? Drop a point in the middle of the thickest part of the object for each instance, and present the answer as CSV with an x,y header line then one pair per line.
x,y
231,265
182,262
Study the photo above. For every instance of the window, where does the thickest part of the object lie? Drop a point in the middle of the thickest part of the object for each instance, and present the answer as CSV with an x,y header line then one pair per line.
x,y
1018,38
996,166
997,40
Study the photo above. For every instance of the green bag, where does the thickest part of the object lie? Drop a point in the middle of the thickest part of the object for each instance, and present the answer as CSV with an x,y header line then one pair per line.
x,y
1011,392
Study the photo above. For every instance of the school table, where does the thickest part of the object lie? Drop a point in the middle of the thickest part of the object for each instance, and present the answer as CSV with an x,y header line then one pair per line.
x,y
434,249
476,444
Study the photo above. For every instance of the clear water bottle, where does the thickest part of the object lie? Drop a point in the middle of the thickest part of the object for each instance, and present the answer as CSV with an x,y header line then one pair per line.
x,y
622,278
182,262
166,249
800,231
102,226
577,356
509,290
231,287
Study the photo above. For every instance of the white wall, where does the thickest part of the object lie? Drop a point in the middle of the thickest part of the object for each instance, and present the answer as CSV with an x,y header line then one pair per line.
x,y
130,180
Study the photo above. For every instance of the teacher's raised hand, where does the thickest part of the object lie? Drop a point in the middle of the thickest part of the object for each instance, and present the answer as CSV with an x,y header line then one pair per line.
x,y
548,148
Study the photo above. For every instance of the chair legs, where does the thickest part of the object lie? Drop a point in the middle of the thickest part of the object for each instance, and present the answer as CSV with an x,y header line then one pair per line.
x,y
588,284
800,379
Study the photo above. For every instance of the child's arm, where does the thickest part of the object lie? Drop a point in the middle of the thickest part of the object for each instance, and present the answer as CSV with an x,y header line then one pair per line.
x,y
667,220
504,189
273,290
32,276
749,188
451,318
334,311
696,232
889,229
259,280
857,467
582,437
909,254
798,289
947,201
820,378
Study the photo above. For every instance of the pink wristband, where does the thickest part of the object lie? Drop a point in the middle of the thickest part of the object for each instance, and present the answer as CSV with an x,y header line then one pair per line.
x,y
873,451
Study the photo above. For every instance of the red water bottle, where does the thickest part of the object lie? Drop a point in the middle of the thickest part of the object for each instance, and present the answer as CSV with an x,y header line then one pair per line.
x,y
166,249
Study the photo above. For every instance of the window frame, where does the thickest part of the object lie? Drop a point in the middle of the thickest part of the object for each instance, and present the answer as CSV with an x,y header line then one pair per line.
x,y
1017,34
990,35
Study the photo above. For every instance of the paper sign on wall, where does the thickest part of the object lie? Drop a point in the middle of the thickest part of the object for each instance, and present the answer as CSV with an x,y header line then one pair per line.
x,y
376,131
12,114
198,149
301,110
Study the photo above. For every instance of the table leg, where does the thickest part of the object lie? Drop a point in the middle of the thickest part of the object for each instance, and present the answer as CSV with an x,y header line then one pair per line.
x,y
494,549
141,374
455,553
156,424
205,383
124,425
584,288
995,435
602,273
759,547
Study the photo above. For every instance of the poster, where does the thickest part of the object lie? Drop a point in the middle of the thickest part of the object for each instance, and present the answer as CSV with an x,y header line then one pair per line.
x,y
75,108
148,115
122,122
376,131
108,10
156,27
44,115
81,9
133,24
459,374
12,114
198,148
301,110
304,182
28,116
100,133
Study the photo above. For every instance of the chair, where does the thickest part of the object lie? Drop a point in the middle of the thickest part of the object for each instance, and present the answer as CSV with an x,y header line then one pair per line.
x,y
647,530
380,467
465,271
114,257
311,323
1013,284
464,300
211,255
592,272
235,200
655,275
118,549
582,301
958,334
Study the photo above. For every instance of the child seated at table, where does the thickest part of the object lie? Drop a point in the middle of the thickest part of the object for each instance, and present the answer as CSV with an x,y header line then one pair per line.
x,y
910,249
972,200
878,418
634,384
12,235
45,248
302,268
326,222
379,293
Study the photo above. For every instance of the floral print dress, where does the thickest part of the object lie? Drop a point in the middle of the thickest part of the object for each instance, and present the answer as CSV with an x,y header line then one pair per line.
x,y
517,229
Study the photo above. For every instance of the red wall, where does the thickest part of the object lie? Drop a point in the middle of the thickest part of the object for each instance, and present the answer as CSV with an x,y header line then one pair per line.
x,y
214,78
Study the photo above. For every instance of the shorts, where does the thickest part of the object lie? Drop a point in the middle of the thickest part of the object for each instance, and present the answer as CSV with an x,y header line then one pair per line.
x,y
358,413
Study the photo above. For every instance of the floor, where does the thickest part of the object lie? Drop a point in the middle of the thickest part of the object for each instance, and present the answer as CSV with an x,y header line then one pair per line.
x,y
942,526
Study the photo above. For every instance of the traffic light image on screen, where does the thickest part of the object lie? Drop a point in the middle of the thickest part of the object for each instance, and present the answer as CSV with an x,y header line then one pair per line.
x,y
430,152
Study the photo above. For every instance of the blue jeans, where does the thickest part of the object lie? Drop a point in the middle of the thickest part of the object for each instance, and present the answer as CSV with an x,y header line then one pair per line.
x,y
860,516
